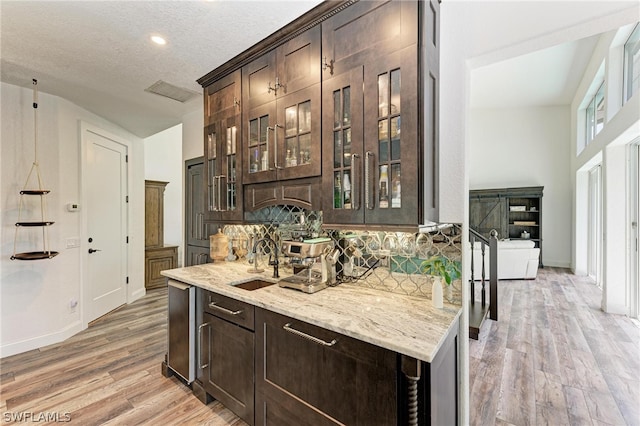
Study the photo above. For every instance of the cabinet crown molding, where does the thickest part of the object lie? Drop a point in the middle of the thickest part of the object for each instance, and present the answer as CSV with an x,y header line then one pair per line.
x,y
310,19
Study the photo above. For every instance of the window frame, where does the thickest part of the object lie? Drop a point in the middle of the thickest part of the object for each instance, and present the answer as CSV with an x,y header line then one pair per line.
x,y
631,47
596,105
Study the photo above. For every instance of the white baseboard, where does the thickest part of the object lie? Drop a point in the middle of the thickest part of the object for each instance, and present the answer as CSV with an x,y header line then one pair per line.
x,y
40,341
141,292
557,264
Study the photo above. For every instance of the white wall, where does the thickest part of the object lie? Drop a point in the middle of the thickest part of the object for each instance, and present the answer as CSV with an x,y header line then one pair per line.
x,y
515,147
163,162
609,147
193,135
478,33
35,295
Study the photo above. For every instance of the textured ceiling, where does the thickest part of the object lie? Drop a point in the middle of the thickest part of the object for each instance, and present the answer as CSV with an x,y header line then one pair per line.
x,y
98,55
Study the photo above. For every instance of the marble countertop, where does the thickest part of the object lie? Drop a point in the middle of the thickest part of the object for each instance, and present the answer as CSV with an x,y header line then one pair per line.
x,y
405,324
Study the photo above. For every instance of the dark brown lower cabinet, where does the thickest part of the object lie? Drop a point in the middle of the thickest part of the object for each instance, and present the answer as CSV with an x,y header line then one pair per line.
x,y
290,372
226,354
434,386
307,375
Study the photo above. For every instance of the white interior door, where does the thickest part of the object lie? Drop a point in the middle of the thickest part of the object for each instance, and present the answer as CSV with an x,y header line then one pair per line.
x,y
106,180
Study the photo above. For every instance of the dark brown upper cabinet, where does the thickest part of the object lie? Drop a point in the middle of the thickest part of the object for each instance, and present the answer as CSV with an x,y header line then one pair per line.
x,y
348,95
222,98
281,111
371,117
223,157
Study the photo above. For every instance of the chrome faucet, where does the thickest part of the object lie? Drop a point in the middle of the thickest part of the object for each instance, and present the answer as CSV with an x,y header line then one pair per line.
x,y
273,255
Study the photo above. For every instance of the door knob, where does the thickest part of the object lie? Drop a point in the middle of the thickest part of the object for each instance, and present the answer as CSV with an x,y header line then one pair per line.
x,y
93,250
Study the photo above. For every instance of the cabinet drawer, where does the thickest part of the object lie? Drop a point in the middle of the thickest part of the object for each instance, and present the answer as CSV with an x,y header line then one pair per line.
x,y
232,310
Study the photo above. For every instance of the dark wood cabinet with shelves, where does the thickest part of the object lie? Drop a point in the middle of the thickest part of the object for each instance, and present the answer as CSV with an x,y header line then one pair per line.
x,y
371,117
374,64
225,353
281,99
223,156
157,255
515,213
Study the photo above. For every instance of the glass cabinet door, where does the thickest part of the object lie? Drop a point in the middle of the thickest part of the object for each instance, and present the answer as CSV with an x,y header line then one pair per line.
x,y
389,140
297,134
212,167
259,144
342,172
231,160
391,135
222,176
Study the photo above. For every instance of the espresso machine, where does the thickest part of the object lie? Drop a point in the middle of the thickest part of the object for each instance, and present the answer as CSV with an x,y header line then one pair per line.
x,y
303,256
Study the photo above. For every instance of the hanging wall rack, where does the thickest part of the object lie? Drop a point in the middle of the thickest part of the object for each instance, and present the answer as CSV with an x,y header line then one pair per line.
x,y
28,191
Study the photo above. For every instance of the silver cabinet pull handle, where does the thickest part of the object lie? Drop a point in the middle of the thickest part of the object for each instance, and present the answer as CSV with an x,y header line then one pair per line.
x,y
367,182
214,190
220,193
214,305
206,324
288,328
355,195
269,128
275,144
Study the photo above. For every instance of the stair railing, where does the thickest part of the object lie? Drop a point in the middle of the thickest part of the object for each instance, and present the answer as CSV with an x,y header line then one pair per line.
x,y
492,244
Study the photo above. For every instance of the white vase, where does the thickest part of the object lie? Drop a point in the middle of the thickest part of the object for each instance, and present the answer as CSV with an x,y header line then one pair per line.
x,y
436,292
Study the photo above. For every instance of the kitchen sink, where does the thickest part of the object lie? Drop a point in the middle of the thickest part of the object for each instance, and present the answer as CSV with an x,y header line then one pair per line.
x,y
254,284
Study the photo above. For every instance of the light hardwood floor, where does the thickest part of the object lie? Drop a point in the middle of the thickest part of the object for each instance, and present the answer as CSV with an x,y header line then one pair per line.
x,y
554,357
107,374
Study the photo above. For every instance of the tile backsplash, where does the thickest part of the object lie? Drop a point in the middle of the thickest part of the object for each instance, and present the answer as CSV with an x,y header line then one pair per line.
x,y
384,260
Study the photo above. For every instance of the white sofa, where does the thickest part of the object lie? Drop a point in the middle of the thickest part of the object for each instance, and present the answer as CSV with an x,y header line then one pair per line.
x,y
517,259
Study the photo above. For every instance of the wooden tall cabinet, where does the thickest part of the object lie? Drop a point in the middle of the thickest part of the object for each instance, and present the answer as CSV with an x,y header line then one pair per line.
x,y
157,256
197,229
371,135
515,213
223,155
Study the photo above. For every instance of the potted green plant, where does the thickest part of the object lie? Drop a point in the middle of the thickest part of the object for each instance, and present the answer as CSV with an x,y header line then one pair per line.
x,y
441,268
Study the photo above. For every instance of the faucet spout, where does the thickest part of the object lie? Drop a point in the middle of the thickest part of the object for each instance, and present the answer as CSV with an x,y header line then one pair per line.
x,y
273,255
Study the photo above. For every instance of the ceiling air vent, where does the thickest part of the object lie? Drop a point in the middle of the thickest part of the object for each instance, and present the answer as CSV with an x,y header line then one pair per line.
x,y
170,91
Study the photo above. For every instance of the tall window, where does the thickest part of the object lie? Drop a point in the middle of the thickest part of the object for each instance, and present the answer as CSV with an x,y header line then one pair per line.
x,y
632,64
595,114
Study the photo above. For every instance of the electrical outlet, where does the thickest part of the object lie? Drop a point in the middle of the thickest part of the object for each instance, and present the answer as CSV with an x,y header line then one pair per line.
x,y
73,305
73,242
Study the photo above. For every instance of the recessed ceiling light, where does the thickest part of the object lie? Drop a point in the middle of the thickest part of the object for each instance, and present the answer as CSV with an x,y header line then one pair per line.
x,y
158,40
